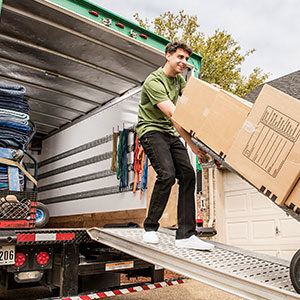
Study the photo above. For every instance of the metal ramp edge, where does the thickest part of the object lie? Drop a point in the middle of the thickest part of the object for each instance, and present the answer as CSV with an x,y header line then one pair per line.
x,y
244,274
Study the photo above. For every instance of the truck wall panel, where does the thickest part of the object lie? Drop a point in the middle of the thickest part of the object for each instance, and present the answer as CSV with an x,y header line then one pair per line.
x,y
109,203
117,117
98,219
99,166
107,147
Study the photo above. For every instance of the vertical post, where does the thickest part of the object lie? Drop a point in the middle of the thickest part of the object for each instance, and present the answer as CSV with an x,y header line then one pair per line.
x,y
0,6
69,270
158,274
199,175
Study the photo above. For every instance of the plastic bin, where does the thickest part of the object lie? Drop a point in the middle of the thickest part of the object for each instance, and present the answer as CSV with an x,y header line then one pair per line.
x,y
20,213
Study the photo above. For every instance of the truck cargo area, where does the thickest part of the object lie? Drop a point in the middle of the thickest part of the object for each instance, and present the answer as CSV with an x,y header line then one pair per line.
x,y
69,62
75,60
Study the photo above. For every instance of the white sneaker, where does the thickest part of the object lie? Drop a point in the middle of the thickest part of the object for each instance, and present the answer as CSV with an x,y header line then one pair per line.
x,y
193,243
150,237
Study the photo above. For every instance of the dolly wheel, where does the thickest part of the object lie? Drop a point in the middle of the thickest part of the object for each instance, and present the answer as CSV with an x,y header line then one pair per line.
x,y
42,215
295,271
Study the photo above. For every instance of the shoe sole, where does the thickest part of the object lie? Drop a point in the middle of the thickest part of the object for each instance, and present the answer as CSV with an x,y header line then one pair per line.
x,y
148,242
195,248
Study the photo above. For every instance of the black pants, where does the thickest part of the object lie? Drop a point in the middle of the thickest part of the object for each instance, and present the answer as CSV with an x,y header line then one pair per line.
x,y
170,160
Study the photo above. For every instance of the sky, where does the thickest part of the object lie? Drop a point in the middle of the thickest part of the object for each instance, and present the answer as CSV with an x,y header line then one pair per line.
x,y
272,27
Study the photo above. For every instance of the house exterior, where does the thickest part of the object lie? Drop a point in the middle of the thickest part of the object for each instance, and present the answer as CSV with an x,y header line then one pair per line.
x,y
246,218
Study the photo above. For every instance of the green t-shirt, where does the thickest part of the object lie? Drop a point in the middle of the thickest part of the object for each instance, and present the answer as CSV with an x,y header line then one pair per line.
x,y
158,87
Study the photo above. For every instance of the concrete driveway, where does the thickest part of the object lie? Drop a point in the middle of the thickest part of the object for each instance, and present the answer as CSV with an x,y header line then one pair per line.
x,y
190,290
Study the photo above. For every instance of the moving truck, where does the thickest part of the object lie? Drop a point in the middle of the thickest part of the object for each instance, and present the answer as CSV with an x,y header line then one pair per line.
x,y
83,68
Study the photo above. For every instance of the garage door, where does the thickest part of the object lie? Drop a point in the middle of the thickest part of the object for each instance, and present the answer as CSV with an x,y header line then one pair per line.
x,y
253,222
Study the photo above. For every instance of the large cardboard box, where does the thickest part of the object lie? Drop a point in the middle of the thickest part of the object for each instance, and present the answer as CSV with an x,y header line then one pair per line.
x,y
212,115
266,150
293,201
169,217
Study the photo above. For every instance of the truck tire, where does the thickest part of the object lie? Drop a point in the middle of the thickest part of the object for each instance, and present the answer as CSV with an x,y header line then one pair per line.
x,y
42,215
295,271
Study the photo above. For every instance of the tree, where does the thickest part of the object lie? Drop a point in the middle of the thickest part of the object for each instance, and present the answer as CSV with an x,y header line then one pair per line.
x,y
222,57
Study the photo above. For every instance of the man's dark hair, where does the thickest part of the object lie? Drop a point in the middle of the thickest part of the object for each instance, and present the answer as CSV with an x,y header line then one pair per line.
x,y
173,46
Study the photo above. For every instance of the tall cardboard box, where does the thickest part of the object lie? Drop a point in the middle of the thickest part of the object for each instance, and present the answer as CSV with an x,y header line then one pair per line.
x,y
169,217
213,115
293,201
266,150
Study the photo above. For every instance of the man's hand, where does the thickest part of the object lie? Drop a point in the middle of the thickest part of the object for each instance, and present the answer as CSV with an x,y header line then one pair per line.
x,y
196,150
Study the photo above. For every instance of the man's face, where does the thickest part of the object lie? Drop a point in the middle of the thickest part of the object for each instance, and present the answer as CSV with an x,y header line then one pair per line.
x,y
177,61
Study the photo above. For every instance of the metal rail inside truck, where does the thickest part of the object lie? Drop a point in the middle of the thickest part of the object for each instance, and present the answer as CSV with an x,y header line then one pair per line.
x,y
83,68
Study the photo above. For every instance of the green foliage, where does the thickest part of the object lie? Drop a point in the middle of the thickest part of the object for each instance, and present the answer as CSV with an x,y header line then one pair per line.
x,y
222,57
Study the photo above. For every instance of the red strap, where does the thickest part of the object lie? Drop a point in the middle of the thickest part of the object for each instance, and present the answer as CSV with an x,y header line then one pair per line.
x,y
138,151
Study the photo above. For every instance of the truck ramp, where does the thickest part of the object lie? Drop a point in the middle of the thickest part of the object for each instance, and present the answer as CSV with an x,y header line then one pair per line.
x,y
244,273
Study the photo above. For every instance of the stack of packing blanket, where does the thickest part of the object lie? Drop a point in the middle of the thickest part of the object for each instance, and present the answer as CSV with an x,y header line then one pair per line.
x,y
14,129
4,178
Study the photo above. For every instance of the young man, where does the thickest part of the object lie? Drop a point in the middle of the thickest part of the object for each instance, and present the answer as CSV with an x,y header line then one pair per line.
x,y
167,154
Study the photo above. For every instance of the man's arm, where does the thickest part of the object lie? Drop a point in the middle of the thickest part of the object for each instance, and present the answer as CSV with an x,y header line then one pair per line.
x,y
168,108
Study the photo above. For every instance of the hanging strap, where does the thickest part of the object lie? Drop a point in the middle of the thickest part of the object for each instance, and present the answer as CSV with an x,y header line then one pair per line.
x,y
114,158
119,156
137,166
13,163
145,173
124,162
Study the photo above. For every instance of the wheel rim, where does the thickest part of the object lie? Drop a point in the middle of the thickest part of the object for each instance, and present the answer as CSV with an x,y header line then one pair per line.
x,y
295,271
39,215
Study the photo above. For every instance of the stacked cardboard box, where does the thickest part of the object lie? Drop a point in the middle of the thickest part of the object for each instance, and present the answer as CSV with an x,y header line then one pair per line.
x,y
213,115
293,201
266,150
261,143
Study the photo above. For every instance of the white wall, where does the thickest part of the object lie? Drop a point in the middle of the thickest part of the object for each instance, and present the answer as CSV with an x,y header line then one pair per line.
x,y
123,114
254,222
